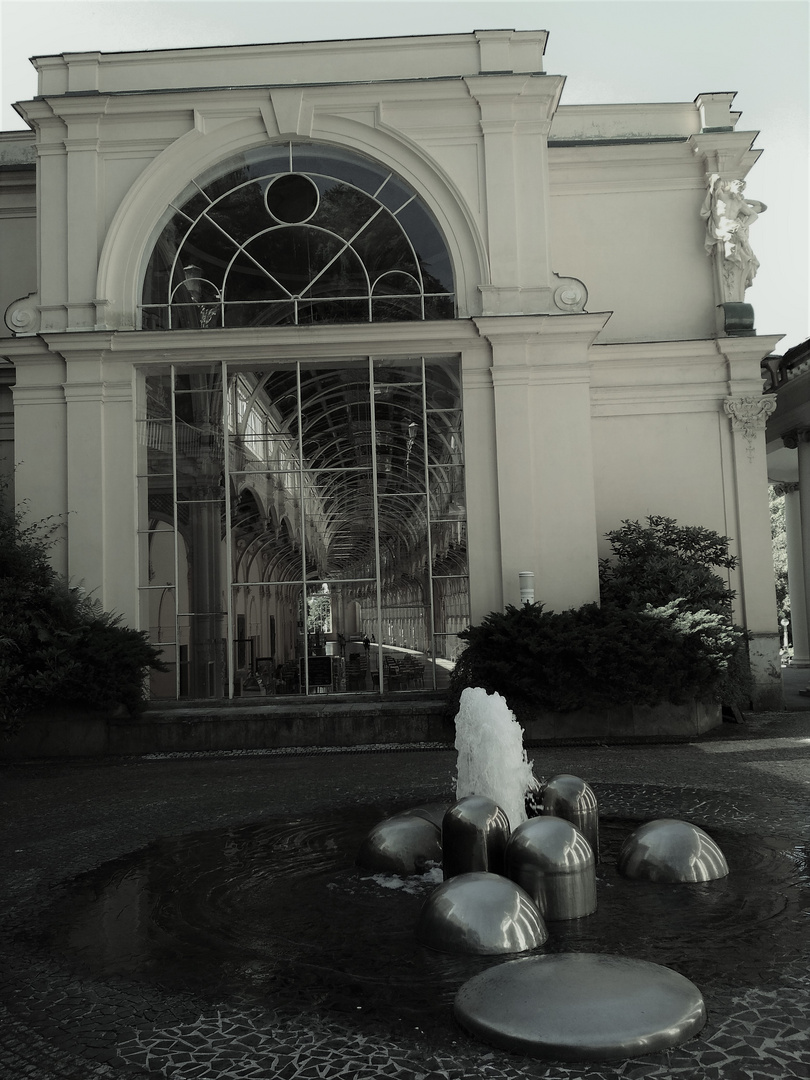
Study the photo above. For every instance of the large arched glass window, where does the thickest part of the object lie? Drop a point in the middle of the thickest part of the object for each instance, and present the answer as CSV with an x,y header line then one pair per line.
x,y
296,234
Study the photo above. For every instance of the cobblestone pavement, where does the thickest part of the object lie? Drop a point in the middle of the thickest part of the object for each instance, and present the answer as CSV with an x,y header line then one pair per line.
x,y
64,1019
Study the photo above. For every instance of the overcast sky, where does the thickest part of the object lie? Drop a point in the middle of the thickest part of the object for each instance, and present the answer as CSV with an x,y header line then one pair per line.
x,y
609,51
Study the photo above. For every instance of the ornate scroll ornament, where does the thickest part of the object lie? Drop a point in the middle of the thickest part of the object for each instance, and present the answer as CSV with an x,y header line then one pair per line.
x,y
749,415
22,316
570,294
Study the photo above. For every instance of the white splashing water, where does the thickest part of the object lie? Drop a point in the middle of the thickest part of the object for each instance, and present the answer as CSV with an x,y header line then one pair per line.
x,y
491,757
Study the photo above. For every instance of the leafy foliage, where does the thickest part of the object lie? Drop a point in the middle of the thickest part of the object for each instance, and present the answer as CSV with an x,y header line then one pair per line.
x,y
662,561
779,545
662,633
57,647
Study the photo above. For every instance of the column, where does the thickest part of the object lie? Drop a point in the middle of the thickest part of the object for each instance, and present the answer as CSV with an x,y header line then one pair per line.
x,y
757,590
796,584
803,441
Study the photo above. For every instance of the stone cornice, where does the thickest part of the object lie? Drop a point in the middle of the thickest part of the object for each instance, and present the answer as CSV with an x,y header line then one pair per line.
x,y
550,329
725,152
256,343
414,58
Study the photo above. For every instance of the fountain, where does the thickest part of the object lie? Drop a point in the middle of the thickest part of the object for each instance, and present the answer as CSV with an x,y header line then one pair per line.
x,y
491,757
570,1006
247,909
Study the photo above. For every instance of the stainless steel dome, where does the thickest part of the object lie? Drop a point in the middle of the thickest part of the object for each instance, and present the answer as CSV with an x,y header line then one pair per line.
x,y
569,797
551,859
475,831
403,844
671,851
480,913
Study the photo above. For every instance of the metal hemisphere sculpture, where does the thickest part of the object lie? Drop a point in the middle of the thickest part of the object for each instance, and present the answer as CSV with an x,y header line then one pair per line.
x,y
403,844
480,913
551,859
475,831
673,852
569,797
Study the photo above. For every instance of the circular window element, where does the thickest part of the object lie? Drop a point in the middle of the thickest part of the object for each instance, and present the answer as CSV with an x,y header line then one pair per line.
x,y
292,199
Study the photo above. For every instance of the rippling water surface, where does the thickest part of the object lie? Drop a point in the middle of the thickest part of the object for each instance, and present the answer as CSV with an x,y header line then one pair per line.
x,y
279,912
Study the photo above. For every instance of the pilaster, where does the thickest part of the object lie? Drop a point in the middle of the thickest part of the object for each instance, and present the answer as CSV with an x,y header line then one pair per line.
x,y
40,423
547,513
100,469
515,119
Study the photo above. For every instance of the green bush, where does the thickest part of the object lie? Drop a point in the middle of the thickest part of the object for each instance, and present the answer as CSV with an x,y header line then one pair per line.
x,y
663,632
662,561
57,647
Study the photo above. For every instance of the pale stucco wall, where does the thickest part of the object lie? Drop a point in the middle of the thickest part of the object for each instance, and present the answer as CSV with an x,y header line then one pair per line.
x,y
571,424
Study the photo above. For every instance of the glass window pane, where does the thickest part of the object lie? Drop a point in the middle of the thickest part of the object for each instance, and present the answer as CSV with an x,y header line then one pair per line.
x,y
240,214
260,313
304,503
163,684
396,309
310,312
357,224
434,258
333,162
156,557
203,640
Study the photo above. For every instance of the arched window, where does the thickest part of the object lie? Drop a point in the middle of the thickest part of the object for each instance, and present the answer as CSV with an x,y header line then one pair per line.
x,y
296,234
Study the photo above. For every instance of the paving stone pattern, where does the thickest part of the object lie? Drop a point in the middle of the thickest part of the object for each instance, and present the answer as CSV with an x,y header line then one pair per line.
x,y
60,820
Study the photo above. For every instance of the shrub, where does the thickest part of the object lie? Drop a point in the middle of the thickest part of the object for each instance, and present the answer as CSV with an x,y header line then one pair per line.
x,y
57,647
662,633
662,561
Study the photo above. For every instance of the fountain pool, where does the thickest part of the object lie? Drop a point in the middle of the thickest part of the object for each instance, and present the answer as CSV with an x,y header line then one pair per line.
x,y
277,913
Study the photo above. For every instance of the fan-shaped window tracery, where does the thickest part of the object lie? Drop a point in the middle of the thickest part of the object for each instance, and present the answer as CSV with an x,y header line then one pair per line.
x,y
297,234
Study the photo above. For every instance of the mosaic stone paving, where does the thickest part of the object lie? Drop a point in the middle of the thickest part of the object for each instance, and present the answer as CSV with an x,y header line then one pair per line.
x,y
62,1021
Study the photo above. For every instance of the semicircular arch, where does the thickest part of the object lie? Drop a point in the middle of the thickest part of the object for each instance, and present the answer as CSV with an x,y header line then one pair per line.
x,y
137,223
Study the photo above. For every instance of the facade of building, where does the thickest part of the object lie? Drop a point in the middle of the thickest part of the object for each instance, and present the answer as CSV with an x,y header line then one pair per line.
x,y
320,342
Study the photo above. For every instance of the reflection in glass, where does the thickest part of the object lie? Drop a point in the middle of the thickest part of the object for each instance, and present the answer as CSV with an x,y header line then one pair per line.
x,y
302,235
308,533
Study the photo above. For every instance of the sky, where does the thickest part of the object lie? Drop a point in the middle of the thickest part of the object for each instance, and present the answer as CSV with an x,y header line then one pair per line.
x,y
609,51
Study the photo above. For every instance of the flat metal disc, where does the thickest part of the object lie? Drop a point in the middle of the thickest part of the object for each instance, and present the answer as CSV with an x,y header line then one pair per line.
x,y
581,1007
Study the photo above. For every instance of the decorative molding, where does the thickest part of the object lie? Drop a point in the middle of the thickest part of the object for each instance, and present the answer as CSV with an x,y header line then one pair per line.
x,y
22,316
748,416
570,295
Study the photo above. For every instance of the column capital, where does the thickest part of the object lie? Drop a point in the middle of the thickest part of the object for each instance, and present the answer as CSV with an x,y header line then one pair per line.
x,y
784,488
749,415
791,440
